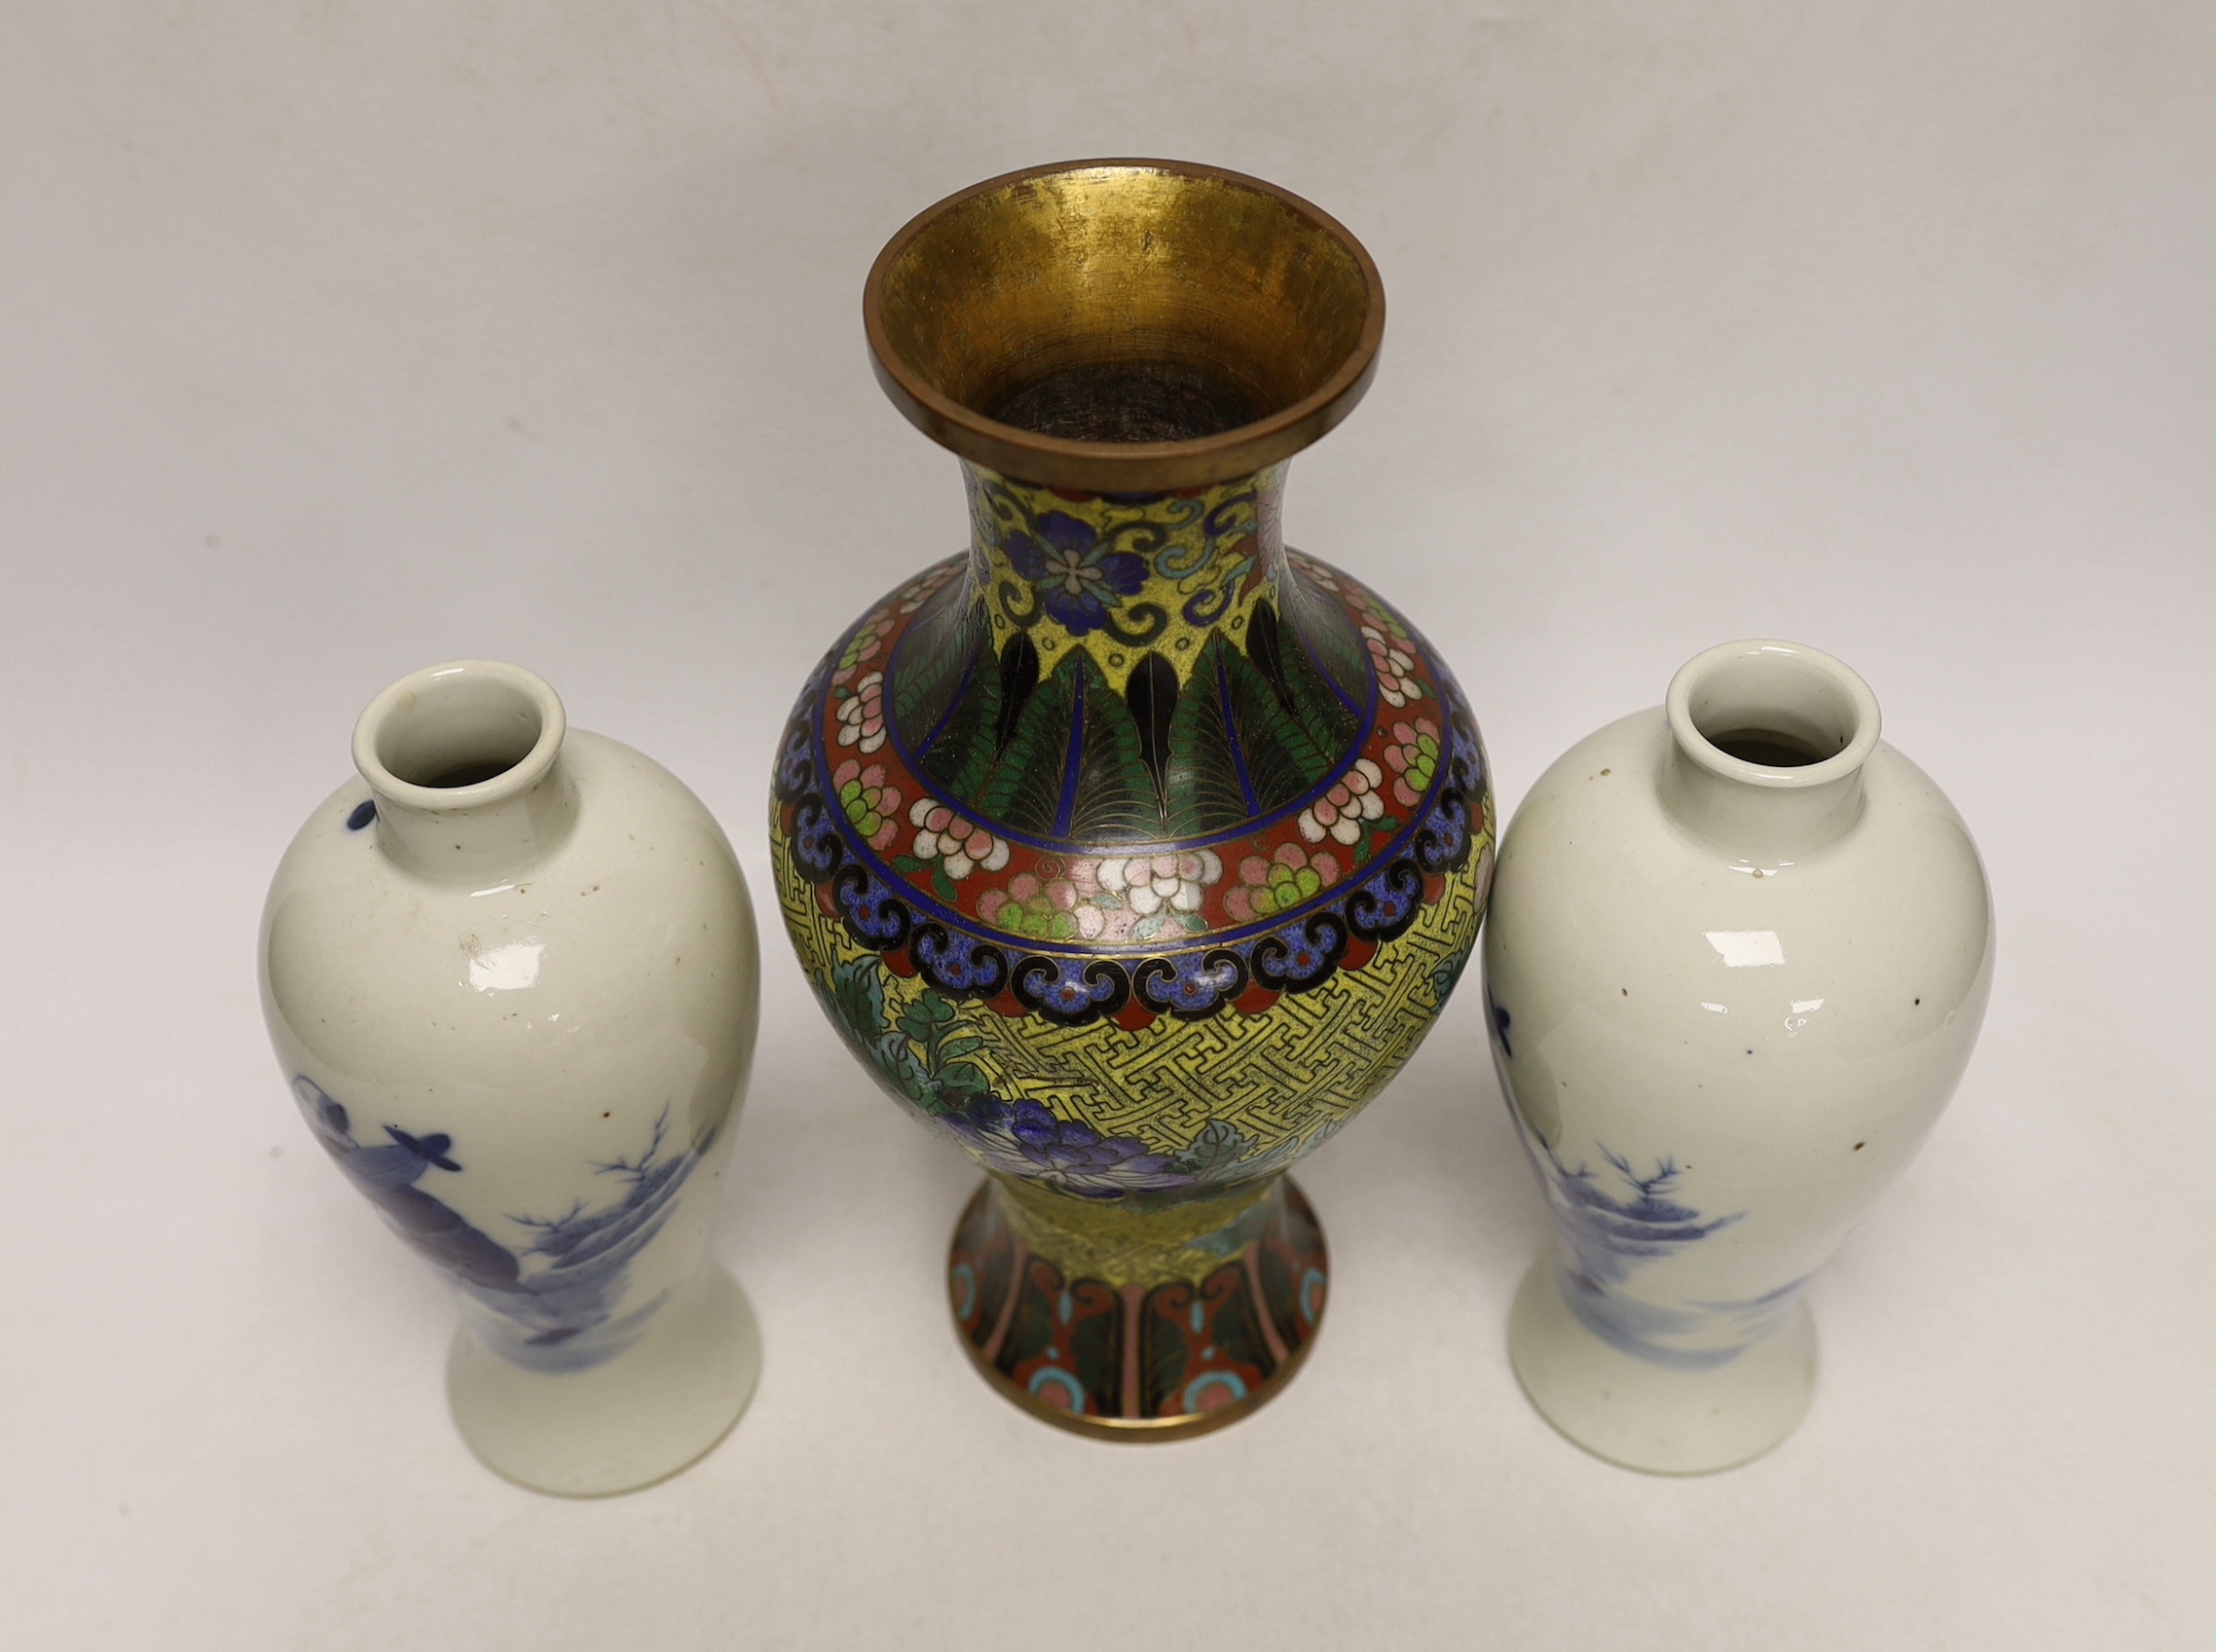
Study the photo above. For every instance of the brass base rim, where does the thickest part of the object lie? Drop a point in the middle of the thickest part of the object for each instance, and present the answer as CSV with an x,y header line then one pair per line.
x,y
1133,1431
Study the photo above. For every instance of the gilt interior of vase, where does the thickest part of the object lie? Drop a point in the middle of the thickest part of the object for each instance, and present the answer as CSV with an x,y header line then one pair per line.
x,y
1127,304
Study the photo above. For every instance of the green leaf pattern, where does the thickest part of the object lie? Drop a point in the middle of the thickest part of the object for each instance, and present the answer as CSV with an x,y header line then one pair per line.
x,y
923,1055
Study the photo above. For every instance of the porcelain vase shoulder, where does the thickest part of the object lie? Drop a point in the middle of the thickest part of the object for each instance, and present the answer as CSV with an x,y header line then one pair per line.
x,y
510,976
1129,848
1738,955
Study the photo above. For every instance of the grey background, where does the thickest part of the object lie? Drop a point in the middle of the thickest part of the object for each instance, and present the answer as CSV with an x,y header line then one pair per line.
x,y
338,338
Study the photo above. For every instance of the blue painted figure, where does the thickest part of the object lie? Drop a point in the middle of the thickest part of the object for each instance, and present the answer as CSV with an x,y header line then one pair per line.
x,y
544,1299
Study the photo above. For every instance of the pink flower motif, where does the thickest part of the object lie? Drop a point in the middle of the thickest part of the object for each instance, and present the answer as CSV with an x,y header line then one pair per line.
x,y
1292,876
919,590
1127,897
1414,758
869,802
861,648
1339,813
1146,895
1091,906
1040,909
1394,666
861,714
960,846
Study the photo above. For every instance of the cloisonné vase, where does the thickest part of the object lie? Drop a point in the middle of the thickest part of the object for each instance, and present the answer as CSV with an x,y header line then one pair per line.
x,y
510,975
1738,953
1129,848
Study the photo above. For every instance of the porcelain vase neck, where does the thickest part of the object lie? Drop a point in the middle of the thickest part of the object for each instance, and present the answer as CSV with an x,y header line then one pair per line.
x,y
464,764
1767,744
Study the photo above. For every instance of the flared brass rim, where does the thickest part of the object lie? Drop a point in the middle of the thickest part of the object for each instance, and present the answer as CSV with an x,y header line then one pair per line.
x,y
1123,466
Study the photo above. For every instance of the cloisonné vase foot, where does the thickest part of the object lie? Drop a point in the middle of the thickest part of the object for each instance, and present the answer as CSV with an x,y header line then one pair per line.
x,y
656,1408
1133,850
1628,1409
1139,1325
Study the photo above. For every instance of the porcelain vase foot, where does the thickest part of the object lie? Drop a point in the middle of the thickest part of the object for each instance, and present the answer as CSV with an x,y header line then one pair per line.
x,y
1161,1334
656,1408
1654,1417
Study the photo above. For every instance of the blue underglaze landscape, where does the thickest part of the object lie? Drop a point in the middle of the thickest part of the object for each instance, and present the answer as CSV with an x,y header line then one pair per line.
x,y
1612,1227
549,1306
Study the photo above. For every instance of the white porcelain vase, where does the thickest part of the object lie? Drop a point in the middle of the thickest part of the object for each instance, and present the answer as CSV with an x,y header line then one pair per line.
x,y
1737,957
510,975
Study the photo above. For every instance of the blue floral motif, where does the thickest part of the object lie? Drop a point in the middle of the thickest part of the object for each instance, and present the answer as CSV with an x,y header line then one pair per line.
x,y
544,1299
1077,578
923,1056
1024,1140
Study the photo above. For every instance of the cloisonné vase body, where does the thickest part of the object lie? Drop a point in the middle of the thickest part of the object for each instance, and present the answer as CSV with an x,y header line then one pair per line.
x,y
1133,853
1738,955
510,976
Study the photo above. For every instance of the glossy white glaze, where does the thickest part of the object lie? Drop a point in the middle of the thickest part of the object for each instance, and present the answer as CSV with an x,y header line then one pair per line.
x,y
520,1014
1728,1000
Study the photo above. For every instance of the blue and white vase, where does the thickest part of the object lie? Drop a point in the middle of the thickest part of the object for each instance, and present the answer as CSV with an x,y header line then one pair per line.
x,y
510,975
1738,953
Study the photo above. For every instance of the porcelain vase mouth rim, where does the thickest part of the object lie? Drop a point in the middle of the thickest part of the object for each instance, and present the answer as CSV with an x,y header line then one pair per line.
x,y
1290,424
403,722
1763,676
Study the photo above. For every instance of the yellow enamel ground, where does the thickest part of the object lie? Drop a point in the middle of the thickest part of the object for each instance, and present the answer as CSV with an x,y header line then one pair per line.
x,y
1168,535
1298,1069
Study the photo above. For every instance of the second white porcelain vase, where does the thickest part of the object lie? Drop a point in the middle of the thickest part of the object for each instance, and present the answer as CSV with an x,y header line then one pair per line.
x,y
510,975
1738,954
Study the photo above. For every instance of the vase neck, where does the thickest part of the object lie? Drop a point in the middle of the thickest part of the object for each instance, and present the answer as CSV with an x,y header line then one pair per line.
x,y
1125,578
1767,744
465,762
1754,824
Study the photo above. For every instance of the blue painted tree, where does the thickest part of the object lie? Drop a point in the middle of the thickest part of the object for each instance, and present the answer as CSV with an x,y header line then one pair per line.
x,y
587,1251
1612,1233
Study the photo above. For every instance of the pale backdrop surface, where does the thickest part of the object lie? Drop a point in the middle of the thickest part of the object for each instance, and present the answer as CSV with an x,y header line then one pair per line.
x,y
337,339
